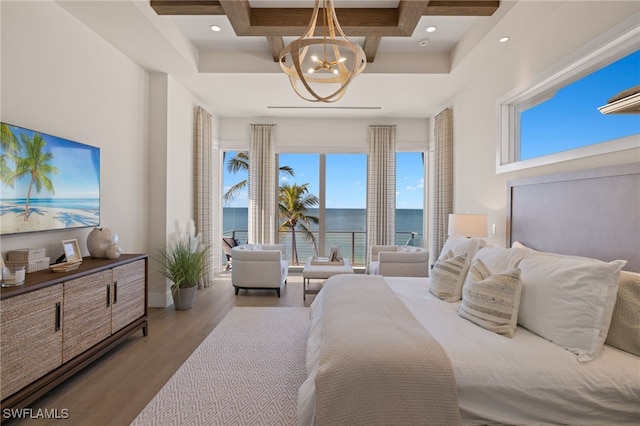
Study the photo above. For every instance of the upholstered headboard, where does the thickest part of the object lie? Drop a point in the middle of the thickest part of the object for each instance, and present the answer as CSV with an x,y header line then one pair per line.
x,y
593,213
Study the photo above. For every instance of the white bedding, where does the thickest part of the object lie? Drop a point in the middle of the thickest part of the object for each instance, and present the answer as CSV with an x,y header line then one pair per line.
x,y
519,380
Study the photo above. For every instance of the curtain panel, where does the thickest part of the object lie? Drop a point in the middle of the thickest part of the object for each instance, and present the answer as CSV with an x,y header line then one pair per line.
x,y
203,197
381,186
262,185
442,179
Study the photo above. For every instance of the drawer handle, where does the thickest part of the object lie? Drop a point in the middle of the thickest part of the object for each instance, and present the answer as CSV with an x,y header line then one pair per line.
x,y
58,316
108,295
115,292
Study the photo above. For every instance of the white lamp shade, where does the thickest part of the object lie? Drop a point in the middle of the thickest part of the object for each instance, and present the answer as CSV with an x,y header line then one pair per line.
x,y
467,225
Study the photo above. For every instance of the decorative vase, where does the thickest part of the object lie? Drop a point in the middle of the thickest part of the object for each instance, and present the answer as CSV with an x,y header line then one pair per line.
x,y
183,297
113,251
98,241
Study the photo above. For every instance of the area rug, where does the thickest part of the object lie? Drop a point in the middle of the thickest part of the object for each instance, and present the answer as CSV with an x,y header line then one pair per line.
x,y
246,372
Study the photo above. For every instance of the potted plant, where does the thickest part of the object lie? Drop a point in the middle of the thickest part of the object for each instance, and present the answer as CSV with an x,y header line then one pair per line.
x,y
185,263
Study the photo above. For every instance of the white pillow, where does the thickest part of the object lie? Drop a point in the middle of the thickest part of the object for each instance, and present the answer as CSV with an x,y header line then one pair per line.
x,y
491,300
462,245
568,300
499,258
447,277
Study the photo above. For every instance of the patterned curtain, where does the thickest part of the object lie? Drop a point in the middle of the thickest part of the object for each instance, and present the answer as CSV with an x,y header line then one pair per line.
x,y
203,198
381,186
262,185
442,179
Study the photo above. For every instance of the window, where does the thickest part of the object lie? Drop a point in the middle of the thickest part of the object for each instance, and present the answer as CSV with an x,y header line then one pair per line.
x,y
558,119
305,171
346,203
410,198
235,219
339,182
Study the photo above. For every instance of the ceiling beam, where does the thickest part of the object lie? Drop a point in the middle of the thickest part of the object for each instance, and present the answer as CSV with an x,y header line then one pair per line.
x,y
277,45
432,7
371,23
192,7
409,14
239,14
370,47
461,7
295,21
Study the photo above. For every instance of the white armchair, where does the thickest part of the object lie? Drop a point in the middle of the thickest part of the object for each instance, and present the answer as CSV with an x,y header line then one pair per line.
x,y
259,266
398,261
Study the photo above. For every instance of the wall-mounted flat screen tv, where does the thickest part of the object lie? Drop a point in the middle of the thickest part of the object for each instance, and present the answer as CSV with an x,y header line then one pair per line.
x,y
46,182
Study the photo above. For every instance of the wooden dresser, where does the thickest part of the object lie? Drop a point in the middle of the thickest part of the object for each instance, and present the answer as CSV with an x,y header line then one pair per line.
x,y
57,323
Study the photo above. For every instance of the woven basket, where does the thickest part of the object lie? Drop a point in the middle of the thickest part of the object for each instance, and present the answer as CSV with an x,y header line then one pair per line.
x,y
32,265
27,254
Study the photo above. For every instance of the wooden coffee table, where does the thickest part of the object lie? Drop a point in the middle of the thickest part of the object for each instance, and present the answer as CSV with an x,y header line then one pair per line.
x,y
314,270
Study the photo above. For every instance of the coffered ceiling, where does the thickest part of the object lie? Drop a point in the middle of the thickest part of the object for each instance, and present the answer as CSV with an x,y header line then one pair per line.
x,y
370,20
234,72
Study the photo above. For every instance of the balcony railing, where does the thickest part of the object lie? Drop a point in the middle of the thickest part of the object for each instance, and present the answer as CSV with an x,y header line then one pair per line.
x,y
353,244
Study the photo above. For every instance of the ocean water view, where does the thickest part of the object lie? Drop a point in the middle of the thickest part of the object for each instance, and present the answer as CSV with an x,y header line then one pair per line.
x,y
344,227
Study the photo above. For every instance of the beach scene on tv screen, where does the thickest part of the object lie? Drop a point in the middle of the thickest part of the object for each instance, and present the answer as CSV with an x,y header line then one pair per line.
x,y
47,182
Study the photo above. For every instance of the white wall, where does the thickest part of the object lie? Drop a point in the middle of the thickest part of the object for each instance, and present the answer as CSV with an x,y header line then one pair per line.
x,y
477,187
61,79
171,171
325,135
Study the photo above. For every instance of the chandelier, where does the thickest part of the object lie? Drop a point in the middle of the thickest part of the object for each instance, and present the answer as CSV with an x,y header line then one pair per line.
x,y
322,66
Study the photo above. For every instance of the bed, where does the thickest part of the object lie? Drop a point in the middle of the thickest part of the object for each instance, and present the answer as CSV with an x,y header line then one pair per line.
x,y
537,336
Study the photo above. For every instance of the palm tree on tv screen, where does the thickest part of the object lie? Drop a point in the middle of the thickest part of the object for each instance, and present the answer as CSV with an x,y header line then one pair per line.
x,y
9,145
36,164
240,162
294,200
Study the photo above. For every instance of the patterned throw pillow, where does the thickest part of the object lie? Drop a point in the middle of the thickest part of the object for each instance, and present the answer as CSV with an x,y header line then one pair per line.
x,y
624,331
447,277
492,300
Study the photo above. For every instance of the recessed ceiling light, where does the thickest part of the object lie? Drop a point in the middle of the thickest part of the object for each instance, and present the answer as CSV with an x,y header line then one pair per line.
x,y
424,42
215,28
504,39
431,28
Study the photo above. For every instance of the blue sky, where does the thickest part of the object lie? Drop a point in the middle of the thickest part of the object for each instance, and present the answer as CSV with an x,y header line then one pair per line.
x,y
571,118
78,165
346,179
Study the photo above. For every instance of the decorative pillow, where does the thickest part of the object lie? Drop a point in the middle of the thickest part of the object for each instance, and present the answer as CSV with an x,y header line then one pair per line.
x,y
461,245
568,299
447,277
497,259
624,331
492,300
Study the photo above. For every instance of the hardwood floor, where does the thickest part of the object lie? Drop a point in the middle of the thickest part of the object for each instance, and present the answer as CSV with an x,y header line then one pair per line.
x,y
115,388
